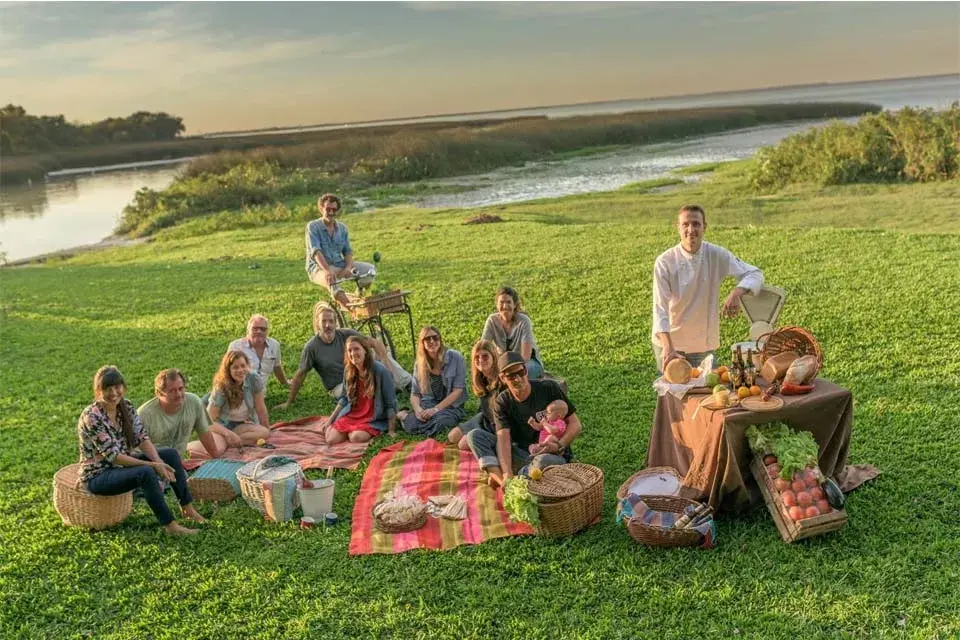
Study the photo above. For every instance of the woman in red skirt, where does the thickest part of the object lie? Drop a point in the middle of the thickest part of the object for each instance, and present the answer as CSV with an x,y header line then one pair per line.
x,y
368,406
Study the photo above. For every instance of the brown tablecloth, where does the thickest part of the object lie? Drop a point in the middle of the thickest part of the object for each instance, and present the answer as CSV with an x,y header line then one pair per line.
x,y
712,453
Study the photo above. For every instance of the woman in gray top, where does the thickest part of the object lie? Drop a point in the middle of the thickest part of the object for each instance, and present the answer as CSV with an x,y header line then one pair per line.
x,y
511,330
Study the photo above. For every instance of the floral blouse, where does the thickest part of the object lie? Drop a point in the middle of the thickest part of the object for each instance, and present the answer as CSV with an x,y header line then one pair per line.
x,y
101,441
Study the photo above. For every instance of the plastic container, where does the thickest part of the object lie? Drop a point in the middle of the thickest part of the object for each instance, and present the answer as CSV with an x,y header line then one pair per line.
x,y
318,500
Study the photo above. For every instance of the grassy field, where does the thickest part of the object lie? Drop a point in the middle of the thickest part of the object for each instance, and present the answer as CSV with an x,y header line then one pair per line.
x,y
868,270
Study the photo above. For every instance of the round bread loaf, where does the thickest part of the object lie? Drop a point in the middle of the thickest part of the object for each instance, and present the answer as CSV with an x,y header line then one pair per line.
x,y
677,371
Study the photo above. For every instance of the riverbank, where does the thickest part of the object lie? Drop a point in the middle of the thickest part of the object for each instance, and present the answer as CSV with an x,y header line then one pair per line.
x,y
62,254
583,266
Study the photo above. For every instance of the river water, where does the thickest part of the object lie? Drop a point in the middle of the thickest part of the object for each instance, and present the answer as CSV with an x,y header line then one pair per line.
x,y
71,211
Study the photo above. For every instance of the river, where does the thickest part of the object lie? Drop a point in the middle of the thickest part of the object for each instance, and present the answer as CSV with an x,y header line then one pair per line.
x,y
71,211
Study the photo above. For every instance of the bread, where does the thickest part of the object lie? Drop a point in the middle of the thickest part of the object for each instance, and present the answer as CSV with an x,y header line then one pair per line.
x,y
802,370
677,371
776,366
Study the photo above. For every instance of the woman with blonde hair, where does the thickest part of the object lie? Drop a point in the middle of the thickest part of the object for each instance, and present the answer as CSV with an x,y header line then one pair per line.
x,y
485,382
110,432
510,329
439,385
368,404
236,401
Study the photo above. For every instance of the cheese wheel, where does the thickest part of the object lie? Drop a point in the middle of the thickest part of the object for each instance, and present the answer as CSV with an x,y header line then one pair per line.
x,y
677,371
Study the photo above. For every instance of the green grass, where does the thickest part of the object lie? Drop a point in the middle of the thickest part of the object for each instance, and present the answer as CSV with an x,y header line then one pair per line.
x,y
869,271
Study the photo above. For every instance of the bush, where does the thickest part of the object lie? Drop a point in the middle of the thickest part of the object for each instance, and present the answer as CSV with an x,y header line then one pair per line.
x,y
908,145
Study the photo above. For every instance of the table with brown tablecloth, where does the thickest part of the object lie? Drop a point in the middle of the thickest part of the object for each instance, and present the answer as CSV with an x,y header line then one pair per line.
x,y
711,452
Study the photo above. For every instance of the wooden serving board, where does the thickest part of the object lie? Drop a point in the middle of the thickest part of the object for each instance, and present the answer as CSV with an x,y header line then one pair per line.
x,y
755,403
792,530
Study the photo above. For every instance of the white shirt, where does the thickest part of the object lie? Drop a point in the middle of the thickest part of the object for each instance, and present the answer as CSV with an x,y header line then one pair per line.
x,y
686,291
261,367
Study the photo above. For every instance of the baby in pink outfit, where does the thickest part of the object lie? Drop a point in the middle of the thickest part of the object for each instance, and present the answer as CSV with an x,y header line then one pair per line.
x,y
551,427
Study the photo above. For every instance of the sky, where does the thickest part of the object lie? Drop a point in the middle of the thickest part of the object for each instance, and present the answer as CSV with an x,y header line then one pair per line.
x,y
225,66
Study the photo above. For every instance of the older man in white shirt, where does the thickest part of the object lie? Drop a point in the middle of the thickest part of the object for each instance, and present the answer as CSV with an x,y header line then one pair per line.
x,y
686,291
261,350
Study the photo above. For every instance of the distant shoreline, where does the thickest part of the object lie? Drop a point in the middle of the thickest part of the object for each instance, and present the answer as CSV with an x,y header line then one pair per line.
x,y
69,252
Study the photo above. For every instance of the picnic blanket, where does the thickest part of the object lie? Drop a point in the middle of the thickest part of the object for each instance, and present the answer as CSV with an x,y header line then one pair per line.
x,y
428,469
301,440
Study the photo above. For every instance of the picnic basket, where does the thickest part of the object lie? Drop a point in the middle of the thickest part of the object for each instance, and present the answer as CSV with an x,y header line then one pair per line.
x,y
416,519
790,339
570,498
271,490
216,481
361,308
652,535
78,507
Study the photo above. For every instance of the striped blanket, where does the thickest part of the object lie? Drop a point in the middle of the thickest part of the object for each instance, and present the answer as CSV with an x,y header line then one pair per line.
x,y
429,469
301,440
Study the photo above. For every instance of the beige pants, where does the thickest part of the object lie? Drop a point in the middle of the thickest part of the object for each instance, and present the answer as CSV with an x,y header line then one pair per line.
x,y
366,270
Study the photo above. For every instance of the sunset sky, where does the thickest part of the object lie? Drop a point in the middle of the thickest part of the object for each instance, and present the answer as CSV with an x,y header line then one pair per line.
x,y
228,66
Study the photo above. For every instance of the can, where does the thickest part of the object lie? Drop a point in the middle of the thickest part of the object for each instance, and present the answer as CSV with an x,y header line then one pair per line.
x,y
306,522
330,519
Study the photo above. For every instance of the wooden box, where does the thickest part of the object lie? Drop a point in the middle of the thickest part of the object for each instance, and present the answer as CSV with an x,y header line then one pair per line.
x,y
792,530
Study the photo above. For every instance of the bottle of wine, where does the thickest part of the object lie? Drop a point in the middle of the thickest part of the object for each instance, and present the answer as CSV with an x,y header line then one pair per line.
x,y
736,377
750,377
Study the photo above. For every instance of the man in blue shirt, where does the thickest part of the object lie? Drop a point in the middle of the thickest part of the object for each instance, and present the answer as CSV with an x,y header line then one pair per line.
x,y
329,254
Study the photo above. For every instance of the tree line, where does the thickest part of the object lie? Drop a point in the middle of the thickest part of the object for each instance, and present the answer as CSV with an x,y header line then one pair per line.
x,y
22,133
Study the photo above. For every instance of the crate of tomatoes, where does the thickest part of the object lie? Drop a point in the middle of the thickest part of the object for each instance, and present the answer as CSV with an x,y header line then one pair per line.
x,y
801,500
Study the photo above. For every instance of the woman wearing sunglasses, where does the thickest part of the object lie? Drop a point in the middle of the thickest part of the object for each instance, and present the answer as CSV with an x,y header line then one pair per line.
x,y
439,386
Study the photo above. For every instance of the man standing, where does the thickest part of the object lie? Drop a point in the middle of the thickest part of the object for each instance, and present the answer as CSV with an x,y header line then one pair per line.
x,y
173,414
515,412
262,351
686,290
329,254
324,354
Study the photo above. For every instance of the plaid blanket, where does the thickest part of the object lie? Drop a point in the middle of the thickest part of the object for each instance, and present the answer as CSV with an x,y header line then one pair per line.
x,y
428,469
301,440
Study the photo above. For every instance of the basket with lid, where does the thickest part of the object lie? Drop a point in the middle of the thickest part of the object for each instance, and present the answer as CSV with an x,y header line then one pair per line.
x,y
570,498
270,486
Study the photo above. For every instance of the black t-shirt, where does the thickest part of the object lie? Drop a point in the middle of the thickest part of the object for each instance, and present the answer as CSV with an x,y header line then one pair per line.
x,y
327,359
509,413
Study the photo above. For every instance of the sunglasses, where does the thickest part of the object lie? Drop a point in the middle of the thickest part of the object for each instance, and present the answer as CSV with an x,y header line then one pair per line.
x,y
514,375
258,328
431,338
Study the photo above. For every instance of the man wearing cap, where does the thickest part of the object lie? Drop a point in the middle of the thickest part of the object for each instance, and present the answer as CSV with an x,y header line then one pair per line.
x,y
261,350
324,354
686,291
329,254
515,412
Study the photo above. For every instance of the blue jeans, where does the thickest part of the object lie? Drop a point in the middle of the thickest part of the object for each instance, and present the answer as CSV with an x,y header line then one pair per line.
x,y
534,369
117,480
483,444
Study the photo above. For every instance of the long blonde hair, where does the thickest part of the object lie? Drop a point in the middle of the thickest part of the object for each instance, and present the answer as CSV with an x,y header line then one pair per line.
x,y
482,386
223,381
353,375
424,363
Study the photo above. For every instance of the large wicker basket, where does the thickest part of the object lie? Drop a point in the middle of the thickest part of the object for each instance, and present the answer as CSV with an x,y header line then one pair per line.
x,y
390,302
417,519
790,339
654,536
271,490
216,481
79,508
564,516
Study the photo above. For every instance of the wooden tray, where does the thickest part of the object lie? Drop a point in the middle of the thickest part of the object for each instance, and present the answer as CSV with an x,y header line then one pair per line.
x,y
792,530
755,403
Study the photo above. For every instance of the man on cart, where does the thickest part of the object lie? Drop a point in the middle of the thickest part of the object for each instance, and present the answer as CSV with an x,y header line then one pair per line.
x,y
329,256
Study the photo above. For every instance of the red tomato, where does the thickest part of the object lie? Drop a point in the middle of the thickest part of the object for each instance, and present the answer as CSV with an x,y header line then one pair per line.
x,y
811,477
796,513
789,498
798,486
781,484
769,459
811,512
816,493
823,506
804,499
773,471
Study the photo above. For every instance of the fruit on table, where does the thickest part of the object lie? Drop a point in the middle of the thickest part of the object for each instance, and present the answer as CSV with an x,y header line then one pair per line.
x,y
796,513
798,485
721,397
695,372
743,392
811,512
804,499
789,498
816,493
536,473
823,506
781,484
722,369
719,387
725,376
713,379
755,390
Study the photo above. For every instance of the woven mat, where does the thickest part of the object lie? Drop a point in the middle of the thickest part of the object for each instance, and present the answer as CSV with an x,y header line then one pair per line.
x,y
301,440
428,469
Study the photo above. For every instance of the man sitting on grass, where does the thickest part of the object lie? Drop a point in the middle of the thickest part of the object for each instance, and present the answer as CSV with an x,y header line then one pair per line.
x,y
174,414
324,353
329,254
515,412
261,350
686,290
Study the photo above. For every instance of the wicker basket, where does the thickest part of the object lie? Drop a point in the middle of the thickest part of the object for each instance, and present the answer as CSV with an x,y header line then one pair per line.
x,y
271,490
654,536
566,516
390,302
790,339
415,522
79,508
625,487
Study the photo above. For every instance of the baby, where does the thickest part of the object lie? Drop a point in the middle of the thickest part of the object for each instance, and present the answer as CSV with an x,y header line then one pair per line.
x,y
551,426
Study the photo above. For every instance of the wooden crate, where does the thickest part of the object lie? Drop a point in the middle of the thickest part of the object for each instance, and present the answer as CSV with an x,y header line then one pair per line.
x,y
390,302
791,530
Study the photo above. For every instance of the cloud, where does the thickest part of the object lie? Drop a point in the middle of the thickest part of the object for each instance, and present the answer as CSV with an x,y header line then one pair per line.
x,y
524,9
